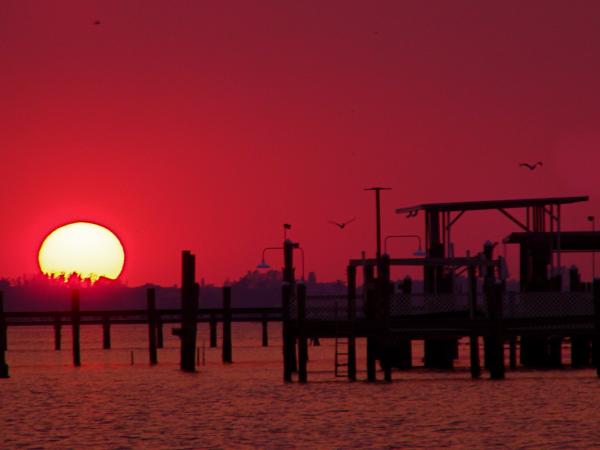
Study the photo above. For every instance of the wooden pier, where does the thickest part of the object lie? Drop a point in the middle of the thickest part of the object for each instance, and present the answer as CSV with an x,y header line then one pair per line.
x,y
533,322
385,319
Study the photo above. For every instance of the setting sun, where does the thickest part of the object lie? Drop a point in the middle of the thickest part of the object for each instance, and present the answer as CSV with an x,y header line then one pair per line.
x,y
87,249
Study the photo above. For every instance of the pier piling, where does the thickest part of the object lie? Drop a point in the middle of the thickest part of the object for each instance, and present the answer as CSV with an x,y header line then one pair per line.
x,y
227,350
213,331
189,313
3,340
159,332
302,339
151,300
106,332
371,294
512,352
351,274
473,338
596,343
288,342
265,333
75,321
496,341
383,314
57,333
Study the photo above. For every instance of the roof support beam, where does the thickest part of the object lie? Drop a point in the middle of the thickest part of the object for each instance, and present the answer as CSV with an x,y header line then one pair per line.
x,y
514,219
453,221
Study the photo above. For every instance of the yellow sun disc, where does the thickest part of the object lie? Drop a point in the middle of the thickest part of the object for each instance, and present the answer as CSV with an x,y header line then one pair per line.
x,y
87,249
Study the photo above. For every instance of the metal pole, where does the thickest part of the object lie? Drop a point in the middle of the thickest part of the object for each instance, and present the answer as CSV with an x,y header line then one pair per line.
x,y
378,216
593,252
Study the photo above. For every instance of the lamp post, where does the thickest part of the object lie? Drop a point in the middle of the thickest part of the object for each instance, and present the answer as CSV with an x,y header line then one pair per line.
x,y
418,252
592,219
378,216
263,263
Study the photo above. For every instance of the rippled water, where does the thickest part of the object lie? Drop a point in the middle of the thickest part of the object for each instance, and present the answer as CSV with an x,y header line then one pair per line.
x,y
110,403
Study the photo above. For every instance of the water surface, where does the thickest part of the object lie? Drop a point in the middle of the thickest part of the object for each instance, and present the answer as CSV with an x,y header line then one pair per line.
x,y
110,403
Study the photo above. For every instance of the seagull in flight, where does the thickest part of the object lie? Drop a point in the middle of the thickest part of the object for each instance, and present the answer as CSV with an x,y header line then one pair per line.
x,y
531,166
343,224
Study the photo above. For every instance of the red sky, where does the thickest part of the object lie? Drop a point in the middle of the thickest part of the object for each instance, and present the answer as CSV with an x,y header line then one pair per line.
x,y
206,125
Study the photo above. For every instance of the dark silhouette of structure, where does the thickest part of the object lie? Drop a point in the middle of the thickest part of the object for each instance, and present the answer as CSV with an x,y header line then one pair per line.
x,y
189,312
439,221
538,317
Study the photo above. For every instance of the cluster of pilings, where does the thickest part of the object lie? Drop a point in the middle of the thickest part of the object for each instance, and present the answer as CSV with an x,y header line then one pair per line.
x,y
187,332
189,317
388,338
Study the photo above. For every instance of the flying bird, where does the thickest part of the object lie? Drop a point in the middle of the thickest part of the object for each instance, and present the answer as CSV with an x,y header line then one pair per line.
x,y
531,166
343,224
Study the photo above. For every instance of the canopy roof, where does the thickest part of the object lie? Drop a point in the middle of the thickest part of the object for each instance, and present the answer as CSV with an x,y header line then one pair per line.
x,y
492,204
570,241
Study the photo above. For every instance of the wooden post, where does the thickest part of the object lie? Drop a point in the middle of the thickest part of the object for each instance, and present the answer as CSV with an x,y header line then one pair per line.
x,y
288,343
351,275
159,332
383,302
512,352
57,332
494,296
213,331
596,343
403,345
302,339
290,277
151,301
189,313
106,332
580,344
75,321
3,340
265,333
473,338
371,293
227,351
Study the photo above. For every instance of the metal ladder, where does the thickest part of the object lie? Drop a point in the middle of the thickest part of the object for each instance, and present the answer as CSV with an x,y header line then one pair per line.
x,y
341,350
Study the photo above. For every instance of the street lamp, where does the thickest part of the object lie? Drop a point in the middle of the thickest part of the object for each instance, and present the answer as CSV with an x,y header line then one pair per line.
x,y
592,219
264,265
418,252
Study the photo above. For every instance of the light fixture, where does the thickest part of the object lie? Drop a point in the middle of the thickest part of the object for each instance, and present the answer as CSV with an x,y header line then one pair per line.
x,y
419,252
263,265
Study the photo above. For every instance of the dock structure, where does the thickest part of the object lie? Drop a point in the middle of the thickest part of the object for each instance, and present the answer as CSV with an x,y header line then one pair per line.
x,y
537,249
534,321
538,215
492,314
539,317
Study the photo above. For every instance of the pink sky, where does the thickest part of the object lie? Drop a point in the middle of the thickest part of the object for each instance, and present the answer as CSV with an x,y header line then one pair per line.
x,y
206,125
